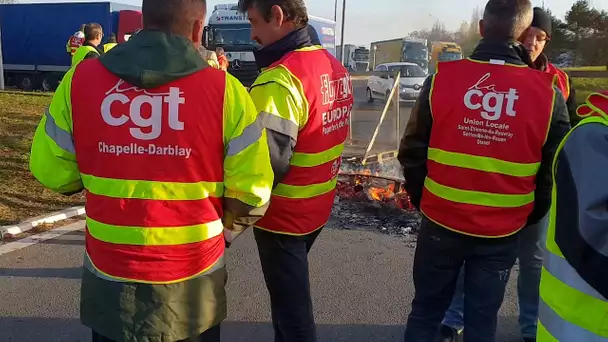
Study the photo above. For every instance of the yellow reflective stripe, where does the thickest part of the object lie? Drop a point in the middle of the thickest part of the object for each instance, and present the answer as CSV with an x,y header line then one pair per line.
x,y
153,236
316,159
140,189
565,300
477,197
310,48
486,164
304,191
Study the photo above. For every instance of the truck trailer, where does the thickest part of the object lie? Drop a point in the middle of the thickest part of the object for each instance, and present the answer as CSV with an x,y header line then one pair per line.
x,y
34,37
356,58
230,29
400,50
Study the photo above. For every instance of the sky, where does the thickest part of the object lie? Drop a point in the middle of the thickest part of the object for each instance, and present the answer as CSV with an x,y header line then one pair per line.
x,y
388,19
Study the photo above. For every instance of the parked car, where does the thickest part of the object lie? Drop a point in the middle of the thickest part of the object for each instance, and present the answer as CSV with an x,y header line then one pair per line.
x,y
380,83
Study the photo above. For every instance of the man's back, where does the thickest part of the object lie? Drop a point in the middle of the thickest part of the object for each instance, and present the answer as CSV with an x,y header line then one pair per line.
x,y
490,122
322,93
166,152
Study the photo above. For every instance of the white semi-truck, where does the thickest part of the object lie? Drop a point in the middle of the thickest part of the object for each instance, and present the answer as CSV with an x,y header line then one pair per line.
x,y
230,29
356,58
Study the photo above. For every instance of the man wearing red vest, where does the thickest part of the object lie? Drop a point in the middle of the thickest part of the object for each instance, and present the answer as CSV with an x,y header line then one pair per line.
x,y
171,152
476,155
535,41
531,239
305,96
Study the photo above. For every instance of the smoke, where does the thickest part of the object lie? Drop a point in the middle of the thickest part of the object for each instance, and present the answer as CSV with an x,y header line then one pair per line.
x,y
390,168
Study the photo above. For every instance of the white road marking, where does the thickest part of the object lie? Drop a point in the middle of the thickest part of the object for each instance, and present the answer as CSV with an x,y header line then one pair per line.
x,y
36,221
34,239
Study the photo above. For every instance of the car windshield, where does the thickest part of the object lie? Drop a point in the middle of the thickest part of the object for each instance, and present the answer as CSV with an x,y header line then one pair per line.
x,y
407,70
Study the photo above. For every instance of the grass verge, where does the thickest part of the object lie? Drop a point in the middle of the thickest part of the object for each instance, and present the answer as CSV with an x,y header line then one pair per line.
x,y
21,196
584,86
587,68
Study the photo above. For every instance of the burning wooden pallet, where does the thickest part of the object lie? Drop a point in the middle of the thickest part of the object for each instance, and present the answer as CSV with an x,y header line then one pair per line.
x,y
365,186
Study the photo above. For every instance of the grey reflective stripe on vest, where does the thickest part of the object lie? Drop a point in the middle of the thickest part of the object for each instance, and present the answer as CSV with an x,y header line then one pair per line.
x,y
253,132
280,125
563,330
88,264
561,269
61,137
250,135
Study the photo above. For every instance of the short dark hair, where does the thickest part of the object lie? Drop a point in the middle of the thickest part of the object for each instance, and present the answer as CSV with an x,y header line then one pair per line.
x,y
112,38
92,31
295,10
174,16
506,19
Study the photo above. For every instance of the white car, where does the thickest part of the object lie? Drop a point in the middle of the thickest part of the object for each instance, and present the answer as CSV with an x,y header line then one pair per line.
x,y
380,83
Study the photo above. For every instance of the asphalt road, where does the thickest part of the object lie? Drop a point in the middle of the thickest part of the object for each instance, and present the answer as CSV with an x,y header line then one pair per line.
x,y
361,283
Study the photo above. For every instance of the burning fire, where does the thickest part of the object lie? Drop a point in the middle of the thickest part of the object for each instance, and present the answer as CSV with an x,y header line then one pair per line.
x,y
382,194
364,186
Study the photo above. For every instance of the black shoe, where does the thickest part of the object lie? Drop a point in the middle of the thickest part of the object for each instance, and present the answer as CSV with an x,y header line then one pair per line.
x,y
529,339
449,334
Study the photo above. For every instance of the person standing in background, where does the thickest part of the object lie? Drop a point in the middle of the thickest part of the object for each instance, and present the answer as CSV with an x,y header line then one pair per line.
x,y
75,41
171,152
535,41
93,34
110,44
479,171
221,58
305,96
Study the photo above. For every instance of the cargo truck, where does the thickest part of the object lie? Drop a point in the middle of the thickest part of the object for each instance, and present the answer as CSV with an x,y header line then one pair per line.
x,y
34,37
400,50
230,29
444,51
356,58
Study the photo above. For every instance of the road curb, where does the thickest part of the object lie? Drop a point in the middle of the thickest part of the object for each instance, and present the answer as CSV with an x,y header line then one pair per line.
x,y
35,239
31,223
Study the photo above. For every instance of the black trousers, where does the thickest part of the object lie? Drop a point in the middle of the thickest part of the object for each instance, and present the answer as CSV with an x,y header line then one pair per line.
x,y
210,335
440,254
284,260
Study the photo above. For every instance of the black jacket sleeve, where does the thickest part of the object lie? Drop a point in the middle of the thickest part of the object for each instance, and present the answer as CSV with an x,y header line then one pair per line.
x,y
91,55
571,104
413,150
559,127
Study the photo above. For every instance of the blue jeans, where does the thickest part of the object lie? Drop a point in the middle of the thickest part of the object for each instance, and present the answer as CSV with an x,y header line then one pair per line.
x,y
530,253
440,254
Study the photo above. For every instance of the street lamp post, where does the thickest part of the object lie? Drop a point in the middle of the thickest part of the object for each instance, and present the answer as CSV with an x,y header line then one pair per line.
x,y
336,11
375,49
342,46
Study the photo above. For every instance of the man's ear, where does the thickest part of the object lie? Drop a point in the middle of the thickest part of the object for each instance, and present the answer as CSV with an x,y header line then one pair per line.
x,y
481,30
277,16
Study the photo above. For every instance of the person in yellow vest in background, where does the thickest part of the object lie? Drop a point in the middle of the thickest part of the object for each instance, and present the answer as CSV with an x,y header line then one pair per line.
x,y
159,193
93,33
75,41
574,281
110,44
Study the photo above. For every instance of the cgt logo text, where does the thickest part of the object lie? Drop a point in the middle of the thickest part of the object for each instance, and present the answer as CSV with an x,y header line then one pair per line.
x,y
150,126
491,101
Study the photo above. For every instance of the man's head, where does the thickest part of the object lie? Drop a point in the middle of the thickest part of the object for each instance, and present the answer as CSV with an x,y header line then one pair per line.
x,y
112,38
505,20
93,33
272,20
538,34
219,51
178,17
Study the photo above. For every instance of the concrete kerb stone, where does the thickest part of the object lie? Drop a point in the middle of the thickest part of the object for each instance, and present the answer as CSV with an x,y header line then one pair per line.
x,y
31,223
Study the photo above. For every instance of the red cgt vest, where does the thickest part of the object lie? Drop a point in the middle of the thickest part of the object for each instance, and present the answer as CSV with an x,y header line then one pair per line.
x,y
563,82
153,180
490,123
302,203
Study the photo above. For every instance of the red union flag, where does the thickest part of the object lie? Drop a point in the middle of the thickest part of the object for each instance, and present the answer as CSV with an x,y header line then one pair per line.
x,y
333,90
